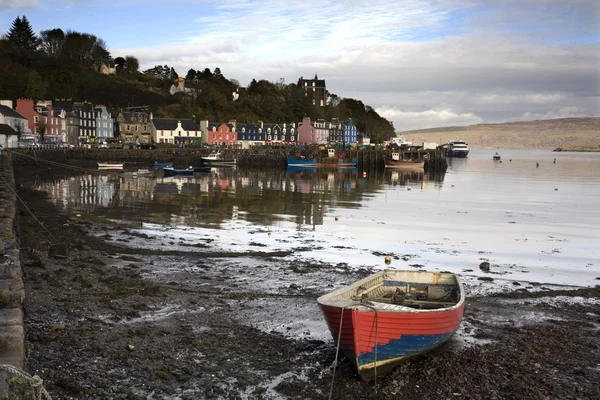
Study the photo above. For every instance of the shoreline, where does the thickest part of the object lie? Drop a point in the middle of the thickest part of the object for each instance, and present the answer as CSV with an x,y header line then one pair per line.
x,y
115,321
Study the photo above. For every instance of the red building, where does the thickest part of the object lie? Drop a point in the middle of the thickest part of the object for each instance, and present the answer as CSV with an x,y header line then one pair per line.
x,y
222,135
40,118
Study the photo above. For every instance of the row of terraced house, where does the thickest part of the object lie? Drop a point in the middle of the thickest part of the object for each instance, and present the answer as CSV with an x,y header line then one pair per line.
x,y
62,121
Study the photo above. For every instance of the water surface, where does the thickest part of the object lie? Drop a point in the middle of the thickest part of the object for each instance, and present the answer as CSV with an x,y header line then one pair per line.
x,y
534,216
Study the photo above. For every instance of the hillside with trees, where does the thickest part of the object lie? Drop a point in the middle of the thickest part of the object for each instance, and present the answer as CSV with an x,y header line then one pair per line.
x,y
59,64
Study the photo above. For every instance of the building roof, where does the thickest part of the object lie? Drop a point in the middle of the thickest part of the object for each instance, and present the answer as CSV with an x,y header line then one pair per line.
x,y
7,130
9,112
170,124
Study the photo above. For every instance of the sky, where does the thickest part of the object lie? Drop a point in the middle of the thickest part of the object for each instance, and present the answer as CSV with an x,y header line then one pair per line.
x,y
418,63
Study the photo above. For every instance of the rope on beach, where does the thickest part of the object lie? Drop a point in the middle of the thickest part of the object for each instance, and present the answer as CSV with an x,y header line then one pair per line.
x,y
54,163
36,382
337,352
28,209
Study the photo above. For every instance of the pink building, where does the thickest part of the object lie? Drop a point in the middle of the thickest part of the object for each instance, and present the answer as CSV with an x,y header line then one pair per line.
x,y
306,132
40,118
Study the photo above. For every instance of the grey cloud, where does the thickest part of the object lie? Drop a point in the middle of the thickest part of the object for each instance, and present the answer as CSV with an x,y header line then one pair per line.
x,y
19,4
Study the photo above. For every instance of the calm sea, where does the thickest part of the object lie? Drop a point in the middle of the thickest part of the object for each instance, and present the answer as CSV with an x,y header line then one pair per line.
x,y
535,215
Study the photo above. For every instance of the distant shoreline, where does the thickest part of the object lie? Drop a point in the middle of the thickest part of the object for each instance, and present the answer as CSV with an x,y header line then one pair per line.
x,y
578,149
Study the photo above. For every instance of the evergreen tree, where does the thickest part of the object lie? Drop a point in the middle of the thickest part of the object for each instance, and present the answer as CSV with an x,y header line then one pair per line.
x,y
22,34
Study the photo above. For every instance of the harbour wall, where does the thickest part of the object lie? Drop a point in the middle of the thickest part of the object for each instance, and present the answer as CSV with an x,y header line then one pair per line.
x,y
12,293
368,159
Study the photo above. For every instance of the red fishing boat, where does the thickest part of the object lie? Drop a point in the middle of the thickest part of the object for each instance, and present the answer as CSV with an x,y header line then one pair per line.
x,y
390,316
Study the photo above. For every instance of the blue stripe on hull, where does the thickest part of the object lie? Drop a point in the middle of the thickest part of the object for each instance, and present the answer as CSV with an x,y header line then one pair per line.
x,y
407,345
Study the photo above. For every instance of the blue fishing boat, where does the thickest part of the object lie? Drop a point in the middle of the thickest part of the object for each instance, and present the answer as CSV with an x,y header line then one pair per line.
x,y
326,163
168,164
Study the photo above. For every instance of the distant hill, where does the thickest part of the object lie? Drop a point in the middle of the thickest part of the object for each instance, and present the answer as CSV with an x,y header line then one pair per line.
x,y
539,134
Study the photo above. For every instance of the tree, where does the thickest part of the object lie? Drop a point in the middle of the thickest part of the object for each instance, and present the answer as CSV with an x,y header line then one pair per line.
x,y
132,65
191,75
19,128
36,86
120,64
218,72
52,42
41,128
22,35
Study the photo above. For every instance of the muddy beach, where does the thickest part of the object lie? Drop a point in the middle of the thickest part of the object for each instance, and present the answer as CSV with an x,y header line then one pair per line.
x,y
116,321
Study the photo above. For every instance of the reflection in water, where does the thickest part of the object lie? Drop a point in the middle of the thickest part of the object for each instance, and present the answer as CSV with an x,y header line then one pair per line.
x,y
209,199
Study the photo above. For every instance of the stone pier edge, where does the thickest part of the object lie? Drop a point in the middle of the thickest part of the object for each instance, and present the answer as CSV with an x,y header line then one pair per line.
x,y
12,293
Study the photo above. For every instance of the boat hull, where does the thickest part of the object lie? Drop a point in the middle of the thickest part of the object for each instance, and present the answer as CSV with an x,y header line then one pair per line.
x,y
404,164
179,172
219,163
110,165
457,153
168,164
298,162
378,337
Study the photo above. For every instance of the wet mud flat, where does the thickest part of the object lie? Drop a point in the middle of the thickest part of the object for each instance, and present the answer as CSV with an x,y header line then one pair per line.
x,y
115,321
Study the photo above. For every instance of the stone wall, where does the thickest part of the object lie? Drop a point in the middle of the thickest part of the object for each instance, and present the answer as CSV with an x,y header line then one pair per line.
x,y
12,348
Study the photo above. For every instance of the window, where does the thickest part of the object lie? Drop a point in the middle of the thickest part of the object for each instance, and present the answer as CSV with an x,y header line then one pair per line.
x,y
292,137
36,119
314,102
269,137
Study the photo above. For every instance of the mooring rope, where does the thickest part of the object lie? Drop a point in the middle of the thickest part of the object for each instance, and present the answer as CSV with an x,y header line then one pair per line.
x,y
30,212
54,163
376,340
337,352
36,382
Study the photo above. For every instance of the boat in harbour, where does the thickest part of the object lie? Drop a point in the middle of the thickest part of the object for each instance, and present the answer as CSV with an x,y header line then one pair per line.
x,y
216,159
110,165
301,162
166,164
397,161
391,316
457,148
139,173
496,157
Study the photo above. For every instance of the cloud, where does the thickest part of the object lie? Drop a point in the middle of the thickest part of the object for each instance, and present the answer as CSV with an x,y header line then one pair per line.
x,y
563,112
19,4
409,120
422,62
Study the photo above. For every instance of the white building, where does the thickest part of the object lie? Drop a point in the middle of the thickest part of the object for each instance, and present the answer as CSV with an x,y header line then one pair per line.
x,y
170,130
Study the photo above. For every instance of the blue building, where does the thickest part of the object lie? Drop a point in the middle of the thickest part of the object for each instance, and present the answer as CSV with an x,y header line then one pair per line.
x,y
349,132
104,123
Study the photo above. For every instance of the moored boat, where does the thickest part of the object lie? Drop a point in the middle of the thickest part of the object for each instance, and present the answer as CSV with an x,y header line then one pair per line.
x,y
139,173
397,161
110,165
457,148
300,162
216,159
391,316
167,164
496,157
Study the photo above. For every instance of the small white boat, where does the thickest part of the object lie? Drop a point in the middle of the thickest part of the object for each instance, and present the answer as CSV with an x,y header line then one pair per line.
x,y
139,173
216,158
110,165
496,157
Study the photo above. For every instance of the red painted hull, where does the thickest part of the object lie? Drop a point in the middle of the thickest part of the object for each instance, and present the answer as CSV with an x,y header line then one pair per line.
x,y
377,339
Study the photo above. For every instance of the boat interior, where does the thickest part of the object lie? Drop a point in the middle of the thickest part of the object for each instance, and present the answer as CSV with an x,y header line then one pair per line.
x,y
417,290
